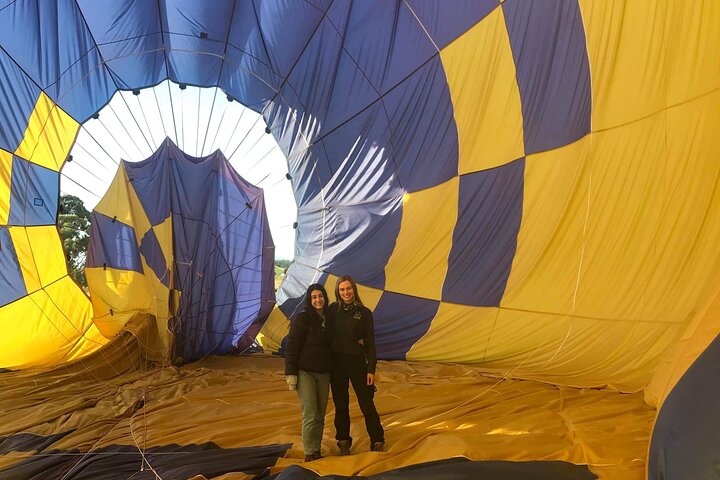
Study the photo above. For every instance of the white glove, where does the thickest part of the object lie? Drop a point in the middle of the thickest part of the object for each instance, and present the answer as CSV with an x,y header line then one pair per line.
x,y
291,381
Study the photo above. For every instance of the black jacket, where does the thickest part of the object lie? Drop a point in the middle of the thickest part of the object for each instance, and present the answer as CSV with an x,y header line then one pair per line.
x,y
308,345
353,332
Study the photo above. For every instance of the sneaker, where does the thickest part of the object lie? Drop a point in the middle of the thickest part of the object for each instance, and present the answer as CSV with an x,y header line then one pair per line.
x,y
344,447
377,447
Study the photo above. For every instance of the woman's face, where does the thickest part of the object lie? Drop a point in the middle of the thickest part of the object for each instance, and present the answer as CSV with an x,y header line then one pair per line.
x,y
317,299
347,294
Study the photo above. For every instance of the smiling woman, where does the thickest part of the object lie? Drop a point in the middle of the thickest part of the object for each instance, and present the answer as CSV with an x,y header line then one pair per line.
x,y
526,185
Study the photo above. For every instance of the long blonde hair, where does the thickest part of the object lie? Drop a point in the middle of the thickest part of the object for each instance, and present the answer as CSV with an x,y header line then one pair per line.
x,y
356,296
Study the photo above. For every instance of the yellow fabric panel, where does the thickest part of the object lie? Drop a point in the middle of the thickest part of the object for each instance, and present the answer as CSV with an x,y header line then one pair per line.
x,y
275,329
49,135
685,252
626,48
63,330
481,77
127,291
702,330
5,184
25,254
418,255
122,202
429,411
164,234
692,46
625,234
457,334
46,260
370,296
546,264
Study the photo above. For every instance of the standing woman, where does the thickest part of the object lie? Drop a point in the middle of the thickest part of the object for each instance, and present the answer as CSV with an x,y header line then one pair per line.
x,y
307,367
354,360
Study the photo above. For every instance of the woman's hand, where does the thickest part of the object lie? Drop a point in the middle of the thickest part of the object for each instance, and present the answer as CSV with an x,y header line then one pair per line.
x,y
371,379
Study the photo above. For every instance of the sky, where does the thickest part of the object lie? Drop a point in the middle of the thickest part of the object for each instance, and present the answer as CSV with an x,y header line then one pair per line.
x,y
199,120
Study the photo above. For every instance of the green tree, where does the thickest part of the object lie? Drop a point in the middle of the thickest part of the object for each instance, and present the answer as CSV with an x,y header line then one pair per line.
x,y
74,225
283,263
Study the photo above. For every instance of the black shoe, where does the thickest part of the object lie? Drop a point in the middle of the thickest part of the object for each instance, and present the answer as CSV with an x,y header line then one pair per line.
x,y
344,447
377,446
310,458
316,455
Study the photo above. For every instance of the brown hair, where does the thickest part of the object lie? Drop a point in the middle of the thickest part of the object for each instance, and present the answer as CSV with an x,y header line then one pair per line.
x,y
347,278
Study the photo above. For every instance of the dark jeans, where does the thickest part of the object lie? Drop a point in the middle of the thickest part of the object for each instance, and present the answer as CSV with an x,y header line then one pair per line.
x,y
353,368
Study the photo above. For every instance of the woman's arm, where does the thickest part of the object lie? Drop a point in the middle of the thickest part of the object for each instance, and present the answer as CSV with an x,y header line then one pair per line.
x,y
296,338
369,342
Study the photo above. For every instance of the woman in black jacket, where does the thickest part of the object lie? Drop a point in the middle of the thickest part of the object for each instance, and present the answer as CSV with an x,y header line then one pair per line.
x,y
307,367
354,361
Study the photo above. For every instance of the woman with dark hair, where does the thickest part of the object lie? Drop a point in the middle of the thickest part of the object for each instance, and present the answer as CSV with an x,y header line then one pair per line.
x,y
354,360
307,367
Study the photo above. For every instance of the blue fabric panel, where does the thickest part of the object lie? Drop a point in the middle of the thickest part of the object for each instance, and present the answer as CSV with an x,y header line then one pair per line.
x,y
411,48
193,61
460,469
400,321
129,39
111,21
313,77
445,22
309,167
338,14
548,44
369,37
343,106
12,285
361,159
686,436
485,235
424,134
84,88
286,29
18,95
247,80
33,194
190,17
222,248
245,39
52,39
153,254
361,238
112,245
321,5
154,195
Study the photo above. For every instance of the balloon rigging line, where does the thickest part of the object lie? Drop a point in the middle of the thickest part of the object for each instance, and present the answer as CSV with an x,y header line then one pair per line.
x,y
135,120
182,119
81,186
232,135
88,171
222,118
125,153
245,137
162,120
127,132
77,143
197,125
147,124
172,109
99,145
207,128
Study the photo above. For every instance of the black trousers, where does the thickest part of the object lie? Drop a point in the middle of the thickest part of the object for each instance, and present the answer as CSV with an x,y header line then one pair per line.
x,y
352,368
